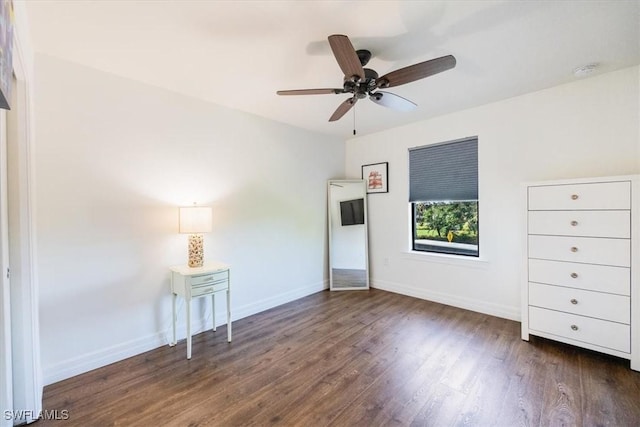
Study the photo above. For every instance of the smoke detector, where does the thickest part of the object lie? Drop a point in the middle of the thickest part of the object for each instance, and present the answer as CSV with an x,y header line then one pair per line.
x,y
585,70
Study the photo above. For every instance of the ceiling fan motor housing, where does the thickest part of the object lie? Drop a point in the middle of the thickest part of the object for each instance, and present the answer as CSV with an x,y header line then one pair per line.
x,y
370,74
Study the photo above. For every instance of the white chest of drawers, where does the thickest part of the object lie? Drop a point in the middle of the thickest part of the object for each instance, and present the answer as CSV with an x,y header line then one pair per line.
x,y
581,280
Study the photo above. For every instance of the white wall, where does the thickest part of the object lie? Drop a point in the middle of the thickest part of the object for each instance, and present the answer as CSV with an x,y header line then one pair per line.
x,y
115,159
586,128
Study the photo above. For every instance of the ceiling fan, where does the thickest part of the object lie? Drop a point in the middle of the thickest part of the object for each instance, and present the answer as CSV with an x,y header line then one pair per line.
x,y
361,81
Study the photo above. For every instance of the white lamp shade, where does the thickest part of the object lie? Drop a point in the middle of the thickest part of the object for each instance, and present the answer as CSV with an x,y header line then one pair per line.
x,y
196,219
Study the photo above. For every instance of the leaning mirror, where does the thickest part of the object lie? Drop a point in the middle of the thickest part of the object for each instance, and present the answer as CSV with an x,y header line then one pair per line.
x,y
348,254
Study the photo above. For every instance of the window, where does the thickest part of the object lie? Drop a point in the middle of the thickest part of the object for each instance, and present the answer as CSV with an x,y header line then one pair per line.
x,y
443,192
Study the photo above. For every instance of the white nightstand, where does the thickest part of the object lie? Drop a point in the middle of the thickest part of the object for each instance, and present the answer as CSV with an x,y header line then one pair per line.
x,y
189,283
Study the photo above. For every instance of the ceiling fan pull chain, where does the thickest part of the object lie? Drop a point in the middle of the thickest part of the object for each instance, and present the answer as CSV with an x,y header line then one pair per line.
x,y
354,120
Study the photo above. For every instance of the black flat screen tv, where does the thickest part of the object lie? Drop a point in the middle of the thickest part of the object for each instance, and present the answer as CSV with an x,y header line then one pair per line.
x,y
352,212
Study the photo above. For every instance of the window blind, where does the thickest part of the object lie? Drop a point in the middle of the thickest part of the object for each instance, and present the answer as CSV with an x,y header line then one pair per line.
x,y
446,171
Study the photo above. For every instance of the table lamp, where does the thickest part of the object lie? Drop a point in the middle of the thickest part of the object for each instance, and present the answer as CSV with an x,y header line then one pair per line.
x,y
194,221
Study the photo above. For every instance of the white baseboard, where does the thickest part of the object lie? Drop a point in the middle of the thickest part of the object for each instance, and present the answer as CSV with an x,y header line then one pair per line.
x,y
89,361
498,310
97,359
274,301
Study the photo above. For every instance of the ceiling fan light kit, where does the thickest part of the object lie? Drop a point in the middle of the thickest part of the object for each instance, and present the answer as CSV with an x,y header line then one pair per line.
x,y
362,82
392,101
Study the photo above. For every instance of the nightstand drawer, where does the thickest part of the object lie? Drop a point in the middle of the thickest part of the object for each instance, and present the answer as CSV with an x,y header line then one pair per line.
x,y
206,290
616,308
209,278
602,333
615,224
598,195
603,278
616,252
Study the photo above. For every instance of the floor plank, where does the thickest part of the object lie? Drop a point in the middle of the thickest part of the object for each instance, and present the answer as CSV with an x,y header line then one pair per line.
x,y
357,358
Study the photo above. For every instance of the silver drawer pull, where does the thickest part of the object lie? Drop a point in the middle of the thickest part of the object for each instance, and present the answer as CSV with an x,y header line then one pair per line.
x,y
574,197
206,279
574,223
574,301
574,275
574,327
574,249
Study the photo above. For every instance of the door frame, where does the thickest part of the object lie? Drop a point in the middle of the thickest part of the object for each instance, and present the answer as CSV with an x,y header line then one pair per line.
x,y
6,372
26,387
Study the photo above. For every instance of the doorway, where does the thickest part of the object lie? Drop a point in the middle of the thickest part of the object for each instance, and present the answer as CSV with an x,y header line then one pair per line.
x,y
20,377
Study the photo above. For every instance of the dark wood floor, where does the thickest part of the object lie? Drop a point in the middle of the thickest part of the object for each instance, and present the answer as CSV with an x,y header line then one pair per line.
x,y
357,358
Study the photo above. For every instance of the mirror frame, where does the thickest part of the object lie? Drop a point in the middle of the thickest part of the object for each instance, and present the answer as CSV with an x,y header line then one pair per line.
x,y
366,233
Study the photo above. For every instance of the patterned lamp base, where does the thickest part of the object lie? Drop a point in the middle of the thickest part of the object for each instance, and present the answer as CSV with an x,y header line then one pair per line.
x,y
196,250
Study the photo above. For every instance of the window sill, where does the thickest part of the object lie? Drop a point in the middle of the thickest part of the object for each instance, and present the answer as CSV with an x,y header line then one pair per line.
x,y
459,260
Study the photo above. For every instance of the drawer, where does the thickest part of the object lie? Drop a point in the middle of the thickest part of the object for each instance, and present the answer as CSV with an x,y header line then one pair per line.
x,y
616,308
598,332
209,278
206,290
581,223
600,195
603,278
616,252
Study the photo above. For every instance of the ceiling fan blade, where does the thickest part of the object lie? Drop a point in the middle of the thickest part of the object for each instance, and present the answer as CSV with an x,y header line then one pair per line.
x,y
393,101
416,71
309,91
346,56
343,108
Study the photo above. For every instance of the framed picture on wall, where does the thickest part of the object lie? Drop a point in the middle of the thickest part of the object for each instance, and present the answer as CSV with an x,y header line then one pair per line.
x,y
376,176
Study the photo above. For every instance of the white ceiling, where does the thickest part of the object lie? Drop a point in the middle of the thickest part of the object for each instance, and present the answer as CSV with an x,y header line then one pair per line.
x,y
238,53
